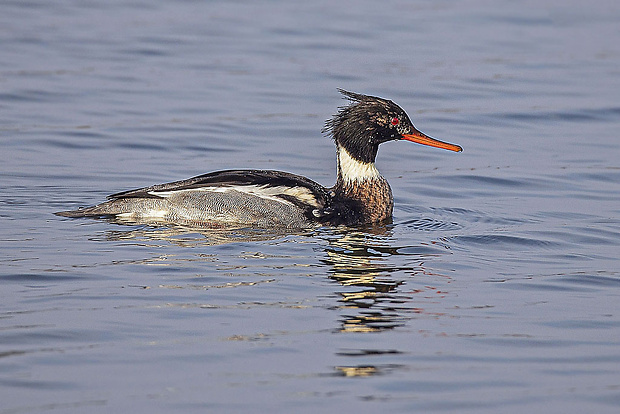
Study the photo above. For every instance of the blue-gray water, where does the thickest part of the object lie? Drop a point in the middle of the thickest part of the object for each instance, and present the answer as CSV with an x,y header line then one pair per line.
x,y
496,289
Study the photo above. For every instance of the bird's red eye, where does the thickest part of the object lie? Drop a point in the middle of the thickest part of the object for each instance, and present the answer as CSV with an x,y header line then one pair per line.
x,y
395,121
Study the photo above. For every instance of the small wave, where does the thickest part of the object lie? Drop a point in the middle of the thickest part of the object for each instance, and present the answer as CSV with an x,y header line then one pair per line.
x,y
429,224
568,282
500,240
38,277
592,280
577,115
477,216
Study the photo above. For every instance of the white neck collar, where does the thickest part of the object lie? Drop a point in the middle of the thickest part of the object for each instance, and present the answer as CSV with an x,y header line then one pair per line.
x,y
352,170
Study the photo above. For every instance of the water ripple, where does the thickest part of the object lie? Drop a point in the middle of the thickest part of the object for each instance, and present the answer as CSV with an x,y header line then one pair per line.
x,y
580,115
503,241
429,224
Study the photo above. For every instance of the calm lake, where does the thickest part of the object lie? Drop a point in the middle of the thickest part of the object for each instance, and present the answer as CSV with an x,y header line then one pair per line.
x,y
496,289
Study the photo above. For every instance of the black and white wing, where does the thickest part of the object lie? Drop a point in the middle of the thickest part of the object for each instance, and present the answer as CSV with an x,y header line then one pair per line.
x,y
248,197
291,188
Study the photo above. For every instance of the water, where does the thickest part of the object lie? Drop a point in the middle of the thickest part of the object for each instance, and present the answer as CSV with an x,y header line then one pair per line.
x,y
496,288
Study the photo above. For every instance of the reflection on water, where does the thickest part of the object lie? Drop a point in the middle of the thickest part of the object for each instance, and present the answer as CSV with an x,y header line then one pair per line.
x,y
366,370
360,261
195,236
371,282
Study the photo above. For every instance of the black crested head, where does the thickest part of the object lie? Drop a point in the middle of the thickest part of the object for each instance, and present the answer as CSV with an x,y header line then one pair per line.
x,y
368,121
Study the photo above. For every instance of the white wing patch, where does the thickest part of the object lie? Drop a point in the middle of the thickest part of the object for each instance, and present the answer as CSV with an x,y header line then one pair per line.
x,y
155,214
270,193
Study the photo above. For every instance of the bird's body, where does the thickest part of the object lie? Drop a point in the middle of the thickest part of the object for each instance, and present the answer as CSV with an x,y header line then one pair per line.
x,y
265,198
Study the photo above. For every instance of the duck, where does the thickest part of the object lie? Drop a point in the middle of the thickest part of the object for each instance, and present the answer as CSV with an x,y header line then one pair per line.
x,y
276,199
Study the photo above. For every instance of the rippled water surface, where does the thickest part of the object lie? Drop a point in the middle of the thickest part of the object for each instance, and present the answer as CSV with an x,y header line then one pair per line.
x,y
496,289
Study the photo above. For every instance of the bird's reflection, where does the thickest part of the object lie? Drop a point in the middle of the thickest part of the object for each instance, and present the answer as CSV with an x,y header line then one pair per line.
x,y
360,262
193,236
365,263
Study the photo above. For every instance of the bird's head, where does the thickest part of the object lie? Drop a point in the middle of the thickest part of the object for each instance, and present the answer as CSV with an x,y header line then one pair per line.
x,y
368,121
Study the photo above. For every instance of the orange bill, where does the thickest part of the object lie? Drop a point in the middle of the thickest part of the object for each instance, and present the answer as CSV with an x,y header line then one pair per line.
x,y
424,139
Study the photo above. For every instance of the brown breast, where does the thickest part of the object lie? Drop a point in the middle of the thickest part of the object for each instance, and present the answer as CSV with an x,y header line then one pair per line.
x,y
371,201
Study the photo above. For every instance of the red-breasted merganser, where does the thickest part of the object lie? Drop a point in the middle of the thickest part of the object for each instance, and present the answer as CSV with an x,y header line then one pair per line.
x,y
265,198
